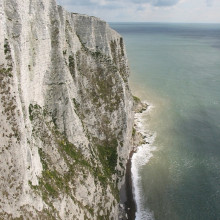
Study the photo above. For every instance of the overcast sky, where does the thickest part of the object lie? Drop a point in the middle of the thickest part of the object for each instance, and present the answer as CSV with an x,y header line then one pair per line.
x,y
202,11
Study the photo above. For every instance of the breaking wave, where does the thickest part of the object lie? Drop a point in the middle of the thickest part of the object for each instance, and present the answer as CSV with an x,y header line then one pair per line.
x,y
139,159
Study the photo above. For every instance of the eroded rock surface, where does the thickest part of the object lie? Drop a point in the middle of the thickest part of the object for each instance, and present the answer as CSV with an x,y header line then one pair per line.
x,y
66,114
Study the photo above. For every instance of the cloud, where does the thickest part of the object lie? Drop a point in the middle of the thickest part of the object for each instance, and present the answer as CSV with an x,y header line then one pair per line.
x,y
140,8
209,3
112,4
164,3
147,10
158,3
71,2
107,4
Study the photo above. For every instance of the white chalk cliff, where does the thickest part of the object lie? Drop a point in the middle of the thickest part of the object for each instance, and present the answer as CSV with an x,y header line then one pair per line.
x,y
65,113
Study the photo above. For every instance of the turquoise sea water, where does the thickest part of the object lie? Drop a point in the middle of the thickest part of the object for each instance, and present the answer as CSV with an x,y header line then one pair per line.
x,y
176,67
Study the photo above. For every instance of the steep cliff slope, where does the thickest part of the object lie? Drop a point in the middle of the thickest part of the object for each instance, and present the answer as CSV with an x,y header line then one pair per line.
x,y
65,113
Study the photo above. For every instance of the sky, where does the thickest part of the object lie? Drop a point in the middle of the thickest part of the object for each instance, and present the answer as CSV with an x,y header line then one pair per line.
x,y
187,11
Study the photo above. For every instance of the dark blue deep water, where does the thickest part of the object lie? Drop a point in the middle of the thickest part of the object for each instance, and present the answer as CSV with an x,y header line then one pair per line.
x,y
176,67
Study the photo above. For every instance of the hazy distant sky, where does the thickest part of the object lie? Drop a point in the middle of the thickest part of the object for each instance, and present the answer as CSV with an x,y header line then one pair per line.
x,y
148,10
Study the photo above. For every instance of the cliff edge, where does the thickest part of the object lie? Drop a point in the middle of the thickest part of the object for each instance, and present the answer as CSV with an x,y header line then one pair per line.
x,y
66,114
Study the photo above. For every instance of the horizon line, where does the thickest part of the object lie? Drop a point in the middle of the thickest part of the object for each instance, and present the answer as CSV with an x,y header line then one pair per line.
x,y
160,22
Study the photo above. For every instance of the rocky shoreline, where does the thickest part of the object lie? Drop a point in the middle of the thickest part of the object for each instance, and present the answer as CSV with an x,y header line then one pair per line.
x,y
128,206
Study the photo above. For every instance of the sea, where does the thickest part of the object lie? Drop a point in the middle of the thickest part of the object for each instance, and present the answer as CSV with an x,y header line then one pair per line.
x,y
175,68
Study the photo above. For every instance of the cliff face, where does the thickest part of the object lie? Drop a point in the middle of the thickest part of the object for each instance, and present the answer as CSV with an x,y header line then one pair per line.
x,y
65,113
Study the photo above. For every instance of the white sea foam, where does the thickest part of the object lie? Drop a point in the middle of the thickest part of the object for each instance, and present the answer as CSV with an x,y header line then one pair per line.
x,y
140,158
